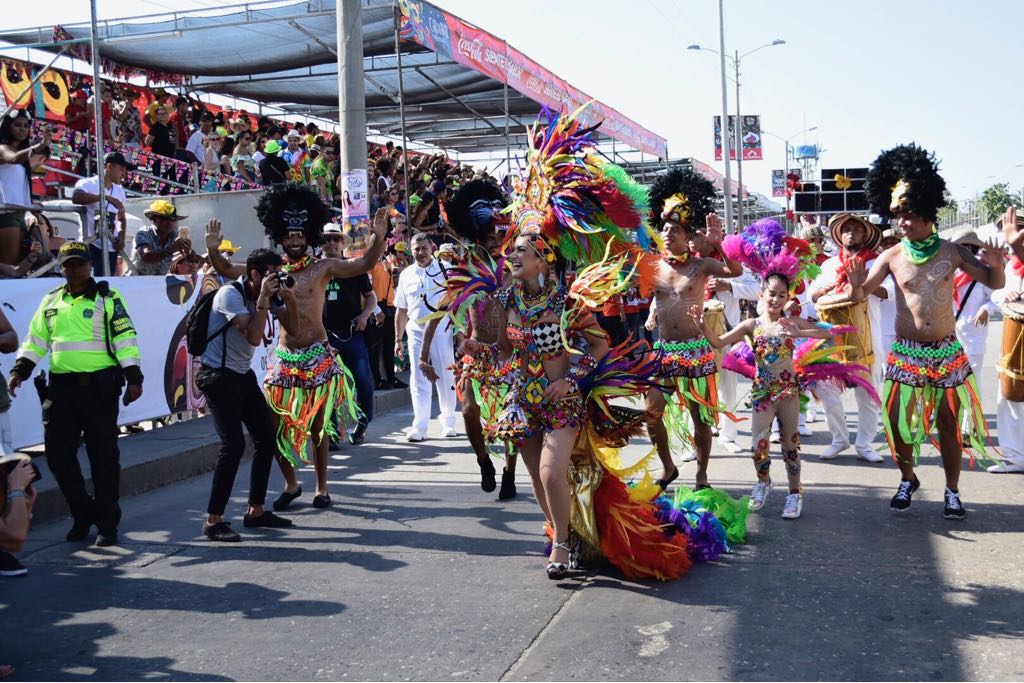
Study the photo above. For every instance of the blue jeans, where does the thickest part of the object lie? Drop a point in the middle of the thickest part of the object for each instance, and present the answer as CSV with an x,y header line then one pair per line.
x,y
356,358
96,256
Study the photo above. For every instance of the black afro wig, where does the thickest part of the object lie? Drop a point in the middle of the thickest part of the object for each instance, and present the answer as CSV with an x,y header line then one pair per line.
x,y
699,192
293,199
471,209
915,166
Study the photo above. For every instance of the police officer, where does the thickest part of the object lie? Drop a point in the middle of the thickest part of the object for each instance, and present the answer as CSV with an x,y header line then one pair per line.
x,y
85,328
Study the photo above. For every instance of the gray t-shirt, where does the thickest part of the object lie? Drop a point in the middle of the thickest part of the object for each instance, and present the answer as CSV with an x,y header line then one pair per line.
x,y
229,303
147,237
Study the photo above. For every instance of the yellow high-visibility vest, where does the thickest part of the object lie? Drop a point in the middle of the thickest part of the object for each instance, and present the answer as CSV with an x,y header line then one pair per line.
x,y
80,333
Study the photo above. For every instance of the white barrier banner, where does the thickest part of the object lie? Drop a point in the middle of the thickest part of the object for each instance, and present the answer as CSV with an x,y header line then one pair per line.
x,y
158,307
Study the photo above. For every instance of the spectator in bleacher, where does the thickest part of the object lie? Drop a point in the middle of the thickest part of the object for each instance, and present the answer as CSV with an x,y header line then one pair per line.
x,y
295,157
321,173
313,135
180,125
160,138
130,120
115,168
158,243
195,150
77,114
242,164
273,169
383,183
17,157
185,264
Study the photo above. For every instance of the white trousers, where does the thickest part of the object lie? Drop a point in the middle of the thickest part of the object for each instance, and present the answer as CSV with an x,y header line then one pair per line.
x,y
1009,418
867,413
727,390
6,434
442,357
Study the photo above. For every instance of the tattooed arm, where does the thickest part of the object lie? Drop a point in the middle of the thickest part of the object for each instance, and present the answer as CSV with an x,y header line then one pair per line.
x,y
989,270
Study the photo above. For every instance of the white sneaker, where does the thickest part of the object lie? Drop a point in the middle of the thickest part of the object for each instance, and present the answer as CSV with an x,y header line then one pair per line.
x,y
730,445
450,433
867,452
803,430
834,450
812,414
689,455
794,506
413,437
759,494
775,436
1005,468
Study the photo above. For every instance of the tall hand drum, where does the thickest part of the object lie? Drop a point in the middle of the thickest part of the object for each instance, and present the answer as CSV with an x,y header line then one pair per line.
x,y
837,309
714,314
1011,365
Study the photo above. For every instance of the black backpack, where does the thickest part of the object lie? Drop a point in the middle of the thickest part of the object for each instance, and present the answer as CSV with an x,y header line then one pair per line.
x,y
197,323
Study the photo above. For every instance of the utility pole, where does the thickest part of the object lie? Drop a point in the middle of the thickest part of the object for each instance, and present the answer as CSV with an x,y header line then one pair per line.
x,y
726,143
739,149
352,98
97,103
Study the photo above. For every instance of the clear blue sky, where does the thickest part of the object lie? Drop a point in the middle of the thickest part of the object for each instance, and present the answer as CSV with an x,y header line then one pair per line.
x,y
868,74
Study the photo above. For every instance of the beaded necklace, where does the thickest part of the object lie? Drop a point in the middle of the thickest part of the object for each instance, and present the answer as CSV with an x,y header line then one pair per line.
x,y
532,307
921,252
530,310
296,266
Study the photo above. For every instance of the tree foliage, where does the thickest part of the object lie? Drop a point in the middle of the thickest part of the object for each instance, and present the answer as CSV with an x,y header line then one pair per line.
x,y
996,200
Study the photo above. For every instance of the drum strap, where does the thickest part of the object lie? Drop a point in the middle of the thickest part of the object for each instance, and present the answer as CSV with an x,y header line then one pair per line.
x,y
963,302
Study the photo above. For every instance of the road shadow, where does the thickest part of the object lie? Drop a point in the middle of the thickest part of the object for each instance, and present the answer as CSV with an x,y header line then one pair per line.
x,y
55,623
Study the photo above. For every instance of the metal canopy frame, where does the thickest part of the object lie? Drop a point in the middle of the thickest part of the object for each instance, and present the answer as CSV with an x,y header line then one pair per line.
x,y
412,93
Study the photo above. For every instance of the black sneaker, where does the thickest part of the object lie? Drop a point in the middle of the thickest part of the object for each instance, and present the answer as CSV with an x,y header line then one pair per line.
x,y
106,539
285,499
901,501
221,531
399,384
487,473
954,508
79,530
322,501
267,520
9,565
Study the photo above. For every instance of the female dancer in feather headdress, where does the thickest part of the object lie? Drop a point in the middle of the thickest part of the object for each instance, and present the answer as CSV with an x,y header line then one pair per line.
x,y
781,263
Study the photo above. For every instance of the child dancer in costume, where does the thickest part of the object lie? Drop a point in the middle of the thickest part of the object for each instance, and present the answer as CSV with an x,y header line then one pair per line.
x,y
681,201
471,304
781,263
928,377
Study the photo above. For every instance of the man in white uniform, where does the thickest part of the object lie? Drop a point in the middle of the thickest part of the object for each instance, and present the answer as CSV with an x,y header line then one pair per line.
x,y
1010,414
857,240
417,295
730,291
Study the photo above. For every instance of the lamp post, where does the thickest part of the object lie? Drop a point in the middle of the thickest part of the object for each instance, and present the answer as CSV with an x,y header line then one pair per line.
x,y
739,121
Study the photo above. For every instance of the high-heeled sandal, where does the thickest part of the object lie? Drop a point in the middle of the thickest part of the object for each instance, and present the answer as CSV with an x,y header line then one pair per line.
x,y
558,570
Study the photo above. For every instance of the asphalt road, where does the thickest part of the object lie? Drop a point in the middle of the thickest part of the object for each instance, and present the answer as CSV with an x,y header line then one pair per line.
x,y
415,574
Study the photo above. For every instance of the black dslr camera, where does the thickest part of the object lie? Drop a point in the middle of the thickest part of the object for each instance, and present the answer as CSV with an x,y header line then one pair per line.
x,y
284,280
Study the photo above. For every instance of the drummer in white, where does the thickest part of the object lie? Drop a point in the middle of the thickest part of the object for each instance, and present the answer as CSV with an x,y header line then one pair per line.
x,y
972,305
857,240
1010,414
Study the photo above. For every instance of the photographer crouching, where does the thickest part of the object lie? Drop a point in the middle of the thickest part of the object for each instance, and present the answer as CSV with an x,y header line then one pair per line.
x,y
84,326
237,320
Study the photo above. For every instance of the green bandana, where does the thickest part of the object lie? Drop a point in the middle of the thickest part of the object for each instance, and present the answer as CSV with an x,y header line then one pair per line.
x,y
923,251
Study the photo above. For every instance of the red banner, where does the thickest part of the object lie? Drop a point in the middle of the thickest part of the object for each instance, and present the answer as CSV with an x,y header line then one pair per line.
x,y
474,48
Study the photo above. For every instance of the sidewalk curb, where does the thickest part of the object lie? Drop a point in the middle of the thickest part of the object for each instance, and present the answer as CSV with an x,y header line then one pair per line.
x,y
164,456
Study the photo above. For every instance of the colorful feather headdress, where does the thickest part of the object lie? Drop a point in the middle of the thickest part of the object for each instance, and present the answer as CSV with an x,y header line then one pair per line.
x,y
574,203
766,250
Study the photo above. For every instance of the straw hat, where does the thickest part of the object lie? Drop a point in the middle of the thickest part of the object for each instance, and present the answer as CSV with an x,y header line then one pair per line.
x,y
967,237
872,233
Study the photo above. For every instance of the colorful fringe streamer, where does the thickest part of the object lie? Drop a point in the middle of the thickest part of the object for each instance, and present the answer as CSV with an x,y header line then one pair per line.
x,y
298,407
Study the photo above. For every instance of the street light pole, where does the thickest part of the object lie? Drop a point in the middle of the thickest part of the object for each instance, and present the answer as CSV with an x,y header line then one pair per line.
x,y
727,193
739,148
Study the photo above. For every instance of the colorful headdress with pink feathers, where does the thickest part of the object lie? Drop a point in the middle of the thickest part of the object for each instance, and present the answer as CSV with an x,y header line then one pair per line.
x,y
573,202
766,250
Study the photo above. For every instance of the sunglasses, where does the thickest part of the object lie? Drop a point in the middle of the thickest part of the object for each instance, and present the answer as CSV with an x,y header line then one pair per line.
x,y
333,239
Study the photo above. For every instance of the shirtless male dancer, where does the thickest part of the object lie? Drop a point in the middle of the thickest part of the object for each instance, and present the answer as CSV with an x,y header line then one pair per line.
x,y
682,200
474,215
926,365
306,383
